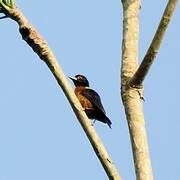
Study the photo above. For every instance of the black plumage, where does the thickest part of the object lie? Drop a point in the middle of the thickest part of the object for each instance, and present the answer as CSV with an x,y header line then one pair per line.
x,y
89,99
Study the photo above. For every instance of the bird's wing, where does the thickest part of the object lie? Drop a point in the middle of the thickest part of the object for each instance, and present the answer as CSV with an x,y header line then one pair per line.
x,y
94,98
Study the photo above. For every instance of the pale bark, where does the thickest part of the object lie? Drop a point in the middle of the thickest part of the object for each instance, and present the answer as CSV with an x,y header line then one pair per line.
x,y
149,58
131,96
132,78
40,46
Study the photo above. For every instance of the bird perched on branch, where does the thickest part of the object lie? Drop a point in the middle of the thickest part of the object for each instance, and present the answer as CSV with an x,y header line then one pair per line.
x,y
89,99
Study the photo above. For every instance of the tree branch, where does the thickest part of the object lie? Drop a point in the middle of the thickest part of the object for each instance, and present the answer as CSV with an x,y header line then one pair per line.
x,y
40,46
149,58
132,77
131,96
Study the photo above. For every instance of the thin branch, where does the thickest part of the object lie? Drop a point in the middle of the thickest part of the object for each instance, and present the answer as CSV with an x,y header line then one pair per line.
x,y
40,46
143,69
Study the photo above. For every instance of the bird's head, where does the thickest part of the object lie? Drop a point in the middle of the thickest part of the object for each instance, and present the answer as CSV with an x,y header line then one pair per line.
x,y
80,80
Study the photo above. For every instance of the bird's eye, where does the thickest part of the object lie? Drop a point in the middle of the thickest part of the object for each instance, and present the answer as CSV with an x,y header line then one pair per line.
x,y
79,78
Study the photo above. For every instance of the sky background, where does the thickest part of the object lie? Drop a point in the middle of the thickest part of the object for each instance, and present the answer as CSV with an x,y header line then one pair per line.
x,y
40,137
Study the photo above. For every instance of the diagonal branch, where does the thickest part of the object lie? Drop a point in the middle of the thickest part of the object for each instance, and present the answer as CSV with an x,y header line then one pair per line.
x,y
40,46
144,67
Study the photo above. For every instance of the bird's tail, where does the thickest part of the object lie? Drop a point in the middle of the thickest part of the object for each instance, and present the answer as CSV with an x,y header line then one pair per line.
x,y
108,121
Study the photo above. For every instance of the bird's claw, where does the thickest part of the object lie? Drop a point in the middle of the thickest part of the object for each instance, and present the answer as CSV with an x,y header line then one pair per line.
x,y
92,124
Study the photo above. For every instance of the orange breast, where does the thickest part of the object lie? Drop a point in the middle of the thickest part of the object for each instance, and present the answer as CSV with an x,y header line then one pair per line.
x,y
86,104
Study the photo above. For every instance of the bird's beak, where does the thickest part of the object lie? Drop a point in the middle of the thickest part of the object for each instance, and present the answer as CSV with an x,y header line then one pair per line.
x,y
72,78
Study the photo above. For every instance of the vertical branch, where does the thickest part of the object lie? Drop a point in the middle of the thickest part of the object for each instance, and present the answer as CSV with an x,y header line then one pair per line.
x,y
131,96
130,39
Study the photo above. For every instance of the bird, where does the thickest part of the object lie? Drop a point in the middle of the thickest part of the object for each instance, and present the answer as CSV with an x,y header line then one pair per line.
x,y
89,99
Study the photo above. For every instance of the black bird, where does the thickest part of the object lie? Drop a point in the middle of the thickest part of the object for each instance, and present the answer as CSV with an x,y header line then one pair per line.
x,y
89,99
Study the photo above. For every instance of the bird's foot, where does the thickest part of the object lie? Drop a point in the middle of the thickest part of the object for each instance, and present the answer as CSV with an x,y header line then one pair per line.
x,y
92,124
